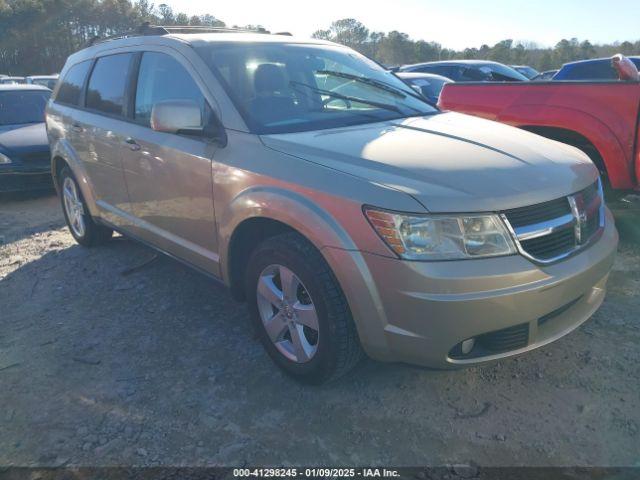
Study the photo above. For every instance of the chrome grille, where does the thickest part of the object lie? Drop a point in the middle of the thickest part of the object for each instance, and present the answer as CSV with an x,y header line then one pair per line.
x,y
521,217
550,231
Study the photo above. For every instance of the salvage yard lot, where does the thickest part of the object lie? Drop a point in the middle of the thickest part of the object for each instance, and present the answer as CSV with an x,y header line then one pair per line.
x,y
113,356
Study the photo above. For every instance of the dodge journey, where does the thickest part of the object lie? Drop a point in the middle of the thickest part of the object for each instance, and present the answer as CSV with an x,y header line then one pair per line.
x,y
350,213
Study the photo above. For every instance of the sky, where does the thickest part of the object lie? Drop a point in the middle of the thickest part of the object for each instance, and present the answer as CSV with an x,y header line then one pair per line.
x,y
453,23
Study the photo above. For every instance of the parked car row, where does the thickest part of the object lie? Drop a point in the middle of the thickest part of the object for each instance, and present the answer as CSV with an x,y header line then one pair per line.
x,y
48,81
601,117
600,69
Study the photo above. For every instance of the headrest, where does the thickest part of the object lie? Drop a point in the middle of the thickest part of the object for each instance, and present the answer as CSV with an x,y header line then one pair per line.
x,y
269,78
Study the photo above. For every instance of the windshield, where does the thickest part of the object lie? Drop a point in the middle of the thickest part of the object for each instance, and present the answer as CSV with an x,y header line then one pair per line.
x,y
502,73
430,87
45,82
22,106
528,72
282,88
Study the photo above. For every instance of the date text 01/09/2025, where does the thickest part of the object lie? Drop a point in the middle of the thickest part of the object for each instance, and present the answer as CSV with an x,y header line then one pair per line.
x,y
315,472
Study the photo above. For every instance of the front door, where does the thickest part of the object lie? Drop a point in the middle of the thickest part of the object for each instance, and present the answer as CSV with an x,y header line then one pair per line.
x,y
169,176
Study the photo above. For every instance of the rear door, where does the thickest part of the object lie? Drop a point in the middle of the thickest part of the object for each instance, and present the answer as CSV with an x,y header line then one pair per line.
x,y
105,128
169,176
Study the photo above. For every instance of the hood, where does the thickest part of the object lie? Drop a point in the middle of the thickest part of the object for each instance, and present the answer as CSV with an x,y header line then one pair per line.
x,y
23,139
449,162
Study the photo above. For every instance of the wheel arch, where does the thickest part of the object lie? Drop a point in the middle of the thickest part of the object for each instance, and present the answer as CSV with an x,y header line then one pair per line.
x,y
570,137
551,121
62,155
260,213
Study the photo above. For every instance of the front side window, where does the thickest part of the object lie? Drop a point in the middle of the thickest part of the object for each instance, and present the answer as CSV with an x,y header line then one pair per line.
x,y
70,91
280,88
22,106
162,78
107,84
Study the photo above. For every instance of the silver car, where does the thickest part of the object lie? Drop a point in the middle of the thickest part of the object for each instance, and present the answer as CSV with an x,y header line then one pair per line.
x,y
350,214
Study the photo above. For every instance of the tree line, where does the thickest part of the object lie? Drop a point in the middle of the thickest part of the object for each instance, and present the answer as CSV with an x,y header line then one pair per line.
x,y
397,48
36,36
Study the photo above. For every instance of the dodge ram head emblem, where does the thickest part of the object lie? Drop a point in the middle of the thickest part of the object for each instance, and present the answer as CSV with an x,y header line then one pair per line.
x,y
579,214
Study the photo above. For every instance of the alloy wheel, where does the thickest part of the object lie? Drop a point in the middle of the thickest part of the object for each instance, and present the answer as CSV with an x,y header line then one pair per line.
x,y
288,313
73,207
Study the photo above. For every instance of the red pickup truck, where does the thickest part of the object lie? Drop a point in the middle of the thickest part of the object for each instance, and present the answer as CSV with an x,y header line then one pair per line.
x,y
600,118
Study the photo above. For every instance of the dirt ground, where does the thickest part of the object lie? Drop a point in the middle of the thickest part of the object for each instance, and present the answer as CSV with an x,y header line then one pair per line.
x,y
103,365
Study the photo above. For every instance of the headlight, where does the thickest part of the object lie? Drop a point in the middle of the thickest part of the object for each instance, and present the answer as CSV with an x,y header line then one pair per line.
x,y
4,159
442,237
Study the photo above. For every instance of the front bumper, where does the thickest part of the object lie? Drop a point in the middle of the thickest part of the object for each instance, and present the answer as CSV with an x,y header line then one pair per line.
x,y
16,178
420,312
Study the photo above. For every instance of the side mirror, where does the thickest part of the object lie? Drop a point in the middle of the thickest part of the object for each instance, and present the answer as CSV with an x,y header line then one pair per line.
x,y
185,117
175,116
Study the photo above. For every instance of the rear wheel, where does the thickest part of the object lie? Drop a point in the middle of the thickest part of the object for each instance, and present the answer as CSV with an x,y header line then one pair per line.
x,y
300,311
81,225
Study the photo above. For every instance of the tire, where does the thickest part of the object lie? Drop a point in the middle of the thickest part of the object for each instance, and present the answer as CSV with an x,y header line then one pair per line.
x,y
82,226
337,347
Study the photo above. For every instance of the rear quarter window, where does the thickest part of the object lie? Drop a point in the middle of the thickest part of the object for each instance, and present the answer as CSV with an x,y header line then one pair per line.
x,y
70,91
108,84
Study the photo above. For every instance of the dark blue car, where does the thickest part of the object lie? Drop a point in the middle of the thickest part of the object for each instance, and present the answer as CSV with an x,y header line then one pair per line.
x,y
25,162
594,69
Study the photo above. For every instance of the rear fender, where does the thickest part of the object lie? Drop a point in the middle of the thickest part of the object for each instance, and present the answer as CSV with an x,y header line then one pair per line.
x,y
62,150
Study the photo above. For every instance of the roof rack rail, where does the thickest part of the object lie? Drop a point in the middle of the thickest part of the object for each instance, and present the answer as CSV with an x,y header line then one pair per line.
x,y
147,29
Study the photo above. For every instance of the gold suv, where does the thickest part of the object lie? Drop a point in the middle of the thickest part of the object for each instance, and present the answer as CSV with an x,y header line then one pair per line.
x,y
349,212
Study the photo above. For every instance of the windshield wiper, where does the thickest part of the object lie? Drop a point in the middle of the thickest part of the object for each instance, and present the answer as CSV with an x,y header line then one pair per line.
x,y
373,82
348,98
367,81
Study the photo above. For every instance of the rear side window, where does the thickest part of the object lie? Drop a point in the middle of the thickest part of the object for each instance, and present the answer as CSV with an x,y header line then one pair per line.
x,y
107,84
449,71
70,90
162,78
600,70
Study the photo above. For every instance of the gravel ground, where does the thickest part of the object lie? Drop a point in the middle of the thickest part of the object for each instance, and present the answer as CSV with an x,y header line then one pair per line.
x,y
104,365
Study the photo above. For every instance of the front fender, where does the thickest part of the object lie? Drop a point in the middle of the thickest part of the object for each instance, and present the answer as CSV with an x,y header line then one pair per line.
x,y
285,206
336,245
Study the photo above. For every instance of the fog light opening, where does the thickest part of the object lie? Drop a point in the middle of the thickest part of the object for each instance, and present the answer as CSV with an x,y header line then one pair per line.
x,y
467,346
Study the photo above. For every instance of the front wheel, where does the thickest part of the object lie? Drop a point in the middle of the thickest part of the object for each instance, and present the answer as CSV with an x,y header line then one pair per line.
x,y
82,227
300,311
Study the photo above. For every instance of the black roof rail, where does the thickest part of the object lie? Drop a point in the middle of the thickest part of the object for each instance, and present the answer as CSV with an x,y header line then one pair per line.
x,y
148,29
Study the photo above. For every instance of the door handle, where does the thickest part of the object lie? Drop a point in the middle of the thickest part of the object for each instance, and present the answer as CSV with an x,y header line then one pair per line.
x,y
133,145
77,127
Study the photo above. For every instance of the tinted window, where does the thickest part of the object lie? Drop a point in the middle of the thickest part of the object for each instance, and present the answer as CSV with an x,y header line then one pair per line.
x,y
475,74
22,106
448,71
107,85
70,90
49,83
280,88
162,78
600,70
